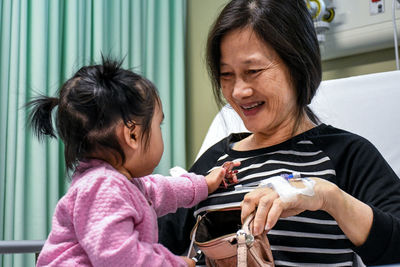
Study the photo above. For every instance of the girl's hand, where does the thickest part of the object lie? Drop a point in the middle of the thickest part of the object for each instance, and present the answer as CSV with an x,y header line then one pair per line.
x,y
222,176
189,262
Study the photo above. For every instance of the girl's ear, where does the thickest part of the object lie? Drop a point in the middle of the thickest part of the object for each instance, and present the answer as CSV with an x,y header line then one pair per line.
x,y
131,136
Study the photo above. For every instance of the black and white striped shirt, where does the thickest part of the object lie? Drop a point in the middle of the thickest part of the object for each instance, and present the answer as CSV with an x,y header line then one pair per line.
x,y
311,238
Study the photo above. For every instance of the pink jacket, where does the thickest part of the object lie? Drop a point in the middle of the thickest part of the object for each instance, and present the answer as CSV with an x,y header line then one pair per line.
x,y
107,220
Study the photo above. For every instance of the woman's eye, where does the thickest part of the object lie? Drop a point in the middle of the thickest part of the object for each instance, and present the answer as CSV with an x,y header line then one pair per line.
x,y
254,71
226,74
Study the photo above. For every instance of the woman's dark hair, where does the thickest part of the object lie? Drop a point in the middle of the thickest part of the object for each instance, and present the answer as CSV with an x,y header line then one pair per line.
x,y
90,106
287,26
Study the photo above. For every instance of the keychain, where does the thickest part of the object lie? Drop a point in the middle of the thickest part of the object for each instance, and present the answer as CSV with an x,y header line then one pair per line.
x,y
230,175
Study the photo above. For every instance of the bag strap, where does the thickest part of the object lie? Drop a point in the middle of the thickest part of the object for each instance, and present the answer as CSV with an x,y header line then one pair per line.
x,y
241,249
244,237
191,251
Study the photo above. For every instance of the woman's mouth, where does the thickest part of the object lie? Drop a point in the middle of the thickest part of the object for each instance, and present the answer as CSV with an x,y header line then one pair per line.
x,y
251,108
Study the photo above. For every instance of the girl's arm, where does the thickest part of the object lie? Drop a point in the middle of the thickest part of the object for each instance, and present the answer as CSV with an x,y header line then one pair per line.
x,y
167,194
170,193
114,229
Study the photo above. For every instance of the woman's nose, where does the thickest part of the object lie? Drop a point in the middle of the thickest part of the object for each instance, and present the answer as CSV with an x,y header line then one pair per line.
x,y
241,90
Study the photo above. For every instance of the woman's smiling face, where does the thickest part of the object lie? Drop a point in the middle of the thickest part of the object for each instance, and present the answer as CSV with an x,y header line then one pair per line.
x,y
256,82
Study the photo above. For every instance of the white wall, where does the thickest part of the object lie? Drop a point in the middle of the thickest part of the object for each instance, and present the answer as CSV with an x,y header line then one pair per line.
x,y
355,30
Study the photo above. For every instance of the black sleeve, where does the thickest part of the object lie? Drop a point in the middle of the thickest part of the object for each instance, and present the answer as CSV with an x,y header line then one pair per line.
x,y
383,242
174,228
374,182
363,173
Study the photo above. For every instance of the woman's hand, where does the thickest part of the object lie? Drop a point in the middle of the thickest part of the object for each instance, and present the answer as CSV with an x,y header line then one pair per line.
x,y
222,176
353,216
270,206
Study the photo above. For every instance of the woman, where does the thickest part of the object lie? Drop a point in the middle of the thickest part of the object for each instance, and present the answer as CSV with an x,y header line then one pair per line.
x,y
264,59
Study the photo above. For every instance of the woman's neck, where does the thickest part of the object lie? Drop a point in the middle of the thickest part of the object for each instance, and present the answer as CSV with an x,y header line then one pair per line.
x,y
274,137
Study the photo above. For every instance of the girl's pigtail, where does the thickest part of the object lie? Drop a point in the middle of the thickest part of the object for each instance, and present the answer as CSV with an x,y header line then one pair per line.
x,y
40,116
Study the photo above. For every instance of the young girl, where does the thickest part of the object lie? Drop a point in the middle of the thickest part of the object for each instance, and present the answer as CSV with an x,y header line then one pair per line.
x,y
109,120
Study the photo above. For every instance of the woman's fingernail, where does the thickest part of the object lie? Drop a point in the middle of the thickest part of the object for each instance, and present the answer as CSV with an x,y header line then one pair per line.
x,y
267,227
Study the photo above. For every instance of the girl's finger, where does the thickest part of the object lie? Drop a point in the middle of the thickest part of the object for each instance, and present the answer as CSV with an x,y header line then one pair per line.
x,y
234,178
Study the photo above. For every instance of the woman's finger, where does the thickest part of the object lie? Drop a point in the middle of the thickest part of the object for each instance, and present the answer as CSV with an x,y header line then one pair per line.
x,y
262,213
251,200
274,213
250,203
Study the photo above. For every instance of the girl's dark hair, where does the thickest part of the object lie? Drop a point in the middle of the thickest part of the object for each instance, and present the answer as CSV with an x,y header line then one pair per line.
x,y
90,106
285,25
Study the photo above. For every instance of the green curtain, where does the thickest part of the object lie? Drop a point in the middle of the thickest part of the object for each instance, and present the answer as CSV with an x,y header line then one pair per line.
x,y
42,43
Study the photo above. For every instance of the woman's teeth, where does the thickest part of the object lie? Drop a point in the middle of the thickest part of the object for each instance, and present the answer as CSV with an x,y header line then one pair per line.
x,y
252,106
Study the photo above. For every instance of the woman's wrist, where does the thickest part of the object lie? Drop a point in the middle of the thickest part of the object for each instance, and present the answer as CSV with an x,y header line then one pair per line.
x,y
332,198
353,216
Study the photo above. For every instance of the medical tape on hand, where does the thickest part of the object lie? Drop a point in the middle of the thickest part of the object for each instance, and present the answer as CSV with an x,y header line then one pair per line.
x,y
286,191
